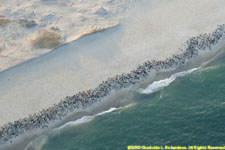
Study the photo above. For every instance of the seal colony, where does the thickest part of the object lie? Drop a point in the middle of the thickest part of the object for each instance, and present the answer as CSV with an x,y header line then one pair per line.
x,y
82,100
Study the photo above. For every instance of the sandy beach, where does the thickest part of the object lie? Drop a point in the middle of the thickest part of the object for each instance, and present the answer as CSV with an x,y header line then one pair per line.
x,y
152,31
26,20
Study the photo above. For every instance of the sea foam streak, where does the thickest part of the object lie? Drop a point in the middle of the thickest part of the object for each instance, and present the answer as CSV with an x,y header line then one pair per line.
x,y
85,119
156,85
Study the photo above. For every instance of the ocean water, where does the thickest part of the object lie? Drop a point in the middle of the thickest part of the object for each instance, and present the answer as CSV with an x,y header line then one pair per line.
x,y
188,111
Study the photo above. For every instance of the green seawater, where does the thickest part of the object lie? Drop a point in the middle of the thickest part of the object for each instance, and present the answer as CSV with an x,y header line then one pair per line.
x,y
190,111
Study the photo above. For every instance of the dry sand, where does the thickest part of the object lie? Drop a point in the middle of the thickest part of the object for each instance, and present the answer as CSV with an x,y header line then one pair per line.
x,y
153,30
69,18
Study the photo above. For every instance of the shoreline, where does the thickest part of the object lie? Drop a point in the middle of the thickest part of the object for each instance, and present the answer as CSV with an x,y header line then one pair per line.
x,y
195,48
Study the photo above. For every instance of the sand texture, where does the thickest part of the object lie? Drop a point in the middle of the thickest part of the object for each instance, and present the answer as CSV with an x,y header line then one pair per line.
x,y
151,31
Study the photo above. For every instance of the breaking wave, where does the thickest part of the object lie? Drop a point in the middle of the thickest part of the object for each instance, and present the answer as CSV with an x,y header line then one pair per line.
x,y
85,119
157,85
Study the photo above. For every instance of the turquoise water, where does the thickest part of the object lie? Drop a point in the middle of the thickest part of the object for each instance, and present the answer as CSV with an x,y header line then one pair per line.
x,y
190,111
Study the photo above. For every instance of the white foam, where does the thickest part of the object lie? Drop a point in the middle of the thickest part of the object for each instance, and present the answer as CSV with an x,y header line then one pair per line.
x,y
107,111
157,85
86,119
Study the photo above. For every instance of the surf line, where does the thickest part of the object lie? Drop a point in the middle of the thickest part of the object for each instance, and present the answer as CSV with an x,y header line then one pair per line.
x,y
82,100
157,85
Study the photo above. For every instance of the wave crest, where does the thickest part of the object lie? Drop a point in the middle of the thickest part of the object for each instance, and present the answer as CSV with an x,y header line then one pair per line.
x,y
157,85
85,119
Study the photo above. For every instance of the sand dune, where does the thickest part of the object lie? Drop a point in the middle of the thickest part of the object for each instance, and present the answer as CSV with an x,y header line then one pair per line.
x,y
68,18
